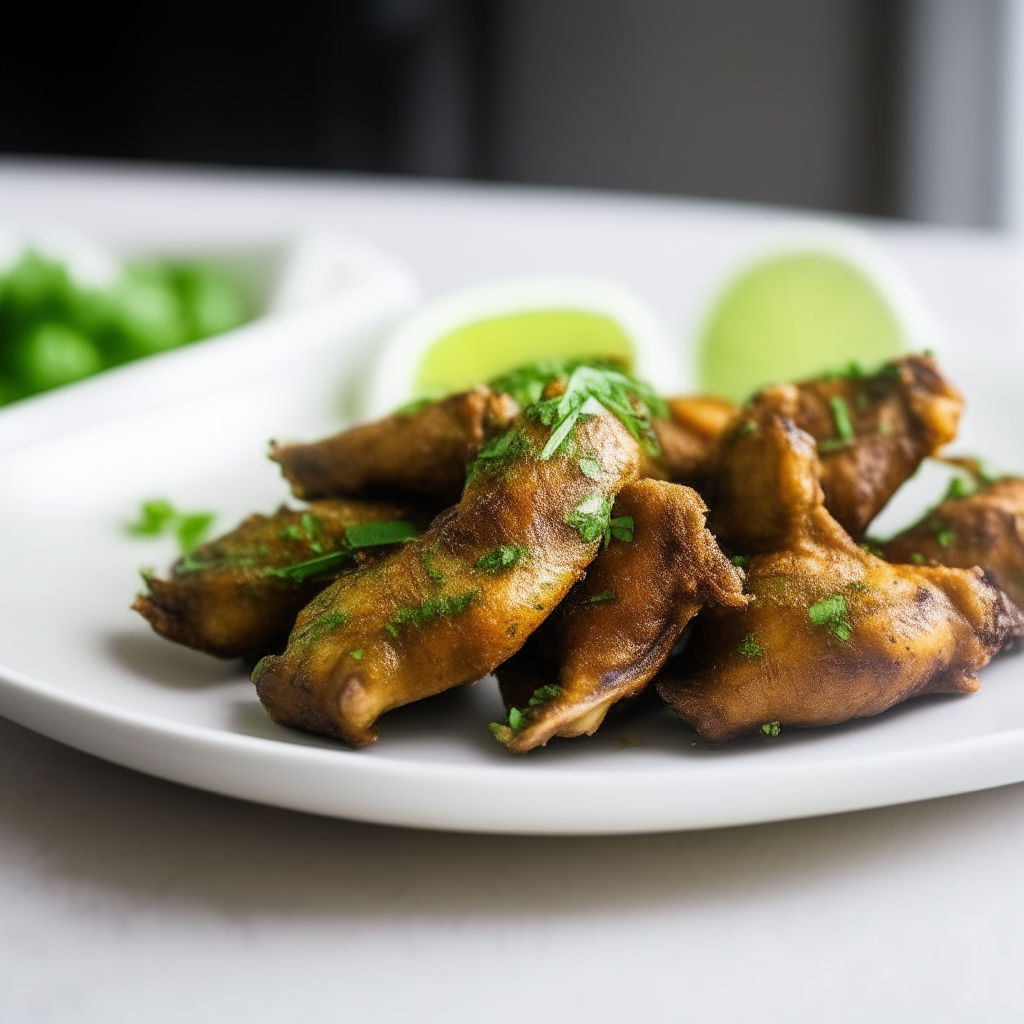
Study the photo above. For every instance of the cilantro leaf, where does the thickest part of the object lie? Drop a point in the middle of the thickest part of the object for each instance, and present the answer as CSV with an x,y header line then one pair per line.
x,y
831,612
771,729
749,647
159,517
387,531
591,517
622,528
503,557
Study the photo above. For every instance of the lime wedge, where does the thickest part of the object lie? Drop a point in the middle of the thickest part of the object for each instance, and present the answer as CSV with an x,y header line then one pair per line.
x,y
791,317
484,349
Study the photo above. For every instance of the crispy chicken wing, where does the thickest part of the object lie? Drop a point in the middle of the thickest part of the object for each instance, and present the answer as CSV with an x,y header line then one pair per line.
x,y
423,451
618,626
221,599
985,528
833,632
688,437
452,605
872,432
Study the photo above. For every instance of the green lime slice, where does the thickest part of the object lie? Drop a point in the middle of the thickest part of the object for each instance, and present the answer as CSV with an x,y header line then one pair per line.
x,y
792,317
486,348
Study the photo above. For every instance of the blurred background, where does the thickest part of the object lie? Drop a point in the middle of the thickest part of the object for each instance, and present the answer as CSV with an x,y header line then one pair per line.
x,y
894,108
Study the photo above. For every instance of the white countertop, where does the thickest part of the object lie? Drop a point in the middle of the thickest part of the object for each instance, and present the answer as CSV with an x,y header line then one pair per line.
x,y
130,899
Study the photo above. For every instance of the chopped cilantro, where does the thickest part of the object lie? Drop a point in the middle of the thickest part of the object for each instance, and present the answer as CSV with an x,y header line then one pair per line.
x,y
605,595
516,719
432,571
159,517
359,535
499,453
430,611
872,547
500,731
542,695
960,487
388,531
526,383
503,557
154,517
590,468
323,623
917,558
945,538
312,567
357,654
311,525
749,647
741,560
746,428
621,529
591,518
290,532
590,391
831,612
771,729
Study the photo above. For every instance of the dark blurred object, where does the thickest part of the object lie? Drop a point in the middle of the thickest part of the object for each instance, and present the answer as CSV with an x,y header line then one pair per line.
x,y
790,101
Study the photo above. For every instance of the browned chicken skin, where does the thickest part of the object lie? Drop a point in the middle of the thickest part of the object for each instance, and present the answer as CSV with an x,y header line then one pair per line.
x,y
452,605
423,451
985,528
833,632
221,600
618,626
872,432
688,438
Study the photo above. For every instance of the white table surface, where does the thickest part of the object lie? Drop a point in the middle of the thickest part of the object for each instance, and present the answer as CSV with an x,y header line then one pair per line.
x,y
124,898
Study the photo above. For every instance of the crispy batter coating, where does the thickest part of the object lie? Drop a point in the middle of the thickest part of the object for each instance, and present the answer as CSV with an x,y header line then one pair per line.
x,y
985,528
220,600
833,632
423,452
688,438
872,432
618,626
452,605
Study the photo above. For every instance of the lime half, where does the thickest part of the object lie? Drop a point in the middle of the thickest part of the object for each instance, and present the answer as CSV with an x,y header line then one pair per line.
x,y
484,349
795,316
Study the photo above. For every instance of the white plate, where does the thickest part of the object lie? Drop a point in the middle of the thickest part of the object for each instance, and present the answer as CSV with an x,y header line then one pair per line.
x,y
77,665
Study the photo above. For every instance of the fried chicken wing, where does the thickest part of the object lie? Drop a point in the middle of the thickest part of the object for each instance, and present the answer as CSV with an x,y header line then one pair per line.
x,y
872,432
688,437
618,626
221,599
462,598
985,528
423,451
833,632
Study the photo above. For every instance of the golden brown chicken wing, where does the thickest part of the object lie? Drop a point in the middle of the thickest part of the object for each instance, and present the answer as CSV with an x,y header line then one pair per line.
x,y
236,597
872,431
688,438
462,598
833,632
423,451
618,626
985,528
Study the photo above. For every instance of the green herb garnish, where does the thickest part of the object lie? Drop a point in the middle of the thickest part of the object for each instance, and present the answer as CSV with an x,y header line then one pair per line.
x,y
749,647
746,428
589,392
159,517
498,559
357,653
323,623
415,406
945,538
591,518
740,560
526,383
290,532
605,595
543,694
430,611
771,729
590,468
831,612
917,558
357,536
498,454
621,528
